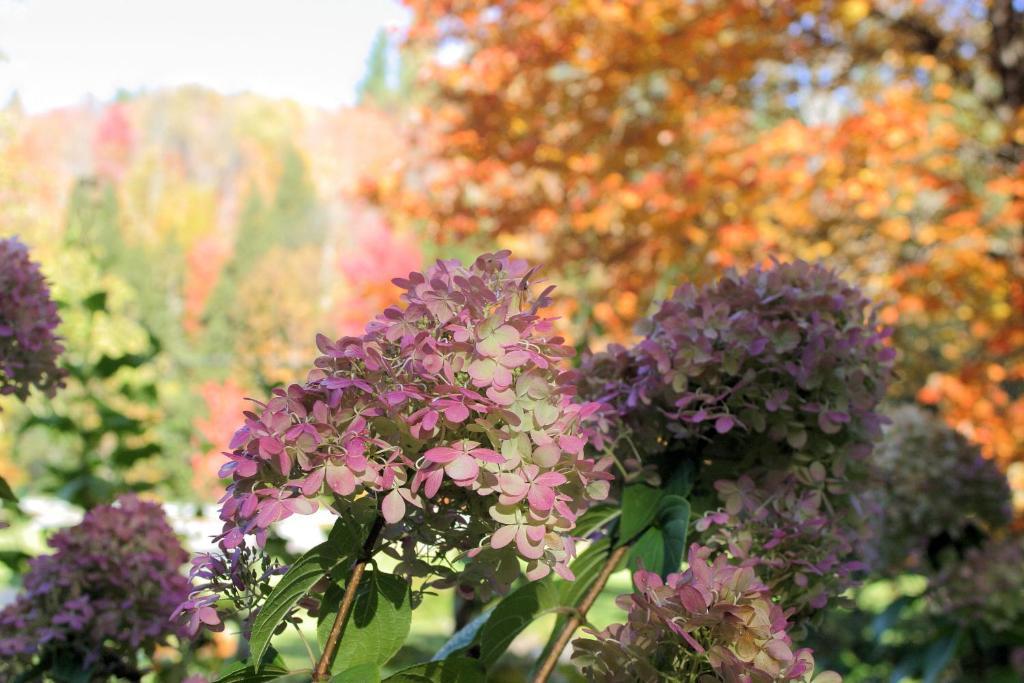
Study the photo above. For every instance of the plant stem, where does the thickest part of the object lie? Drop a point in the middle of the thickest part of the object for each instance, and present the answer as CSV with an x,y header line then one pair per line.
x,y
309,650
579,614
323,667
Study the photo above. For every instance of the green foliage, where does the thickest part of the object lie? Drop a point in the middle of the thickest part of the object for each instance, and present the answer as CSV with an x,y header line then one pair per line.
x,y
374,86
596,517
361,673
377,626
639,507
251,674
337,552
386,84
492,632
6,493
452,670
101,436
513,614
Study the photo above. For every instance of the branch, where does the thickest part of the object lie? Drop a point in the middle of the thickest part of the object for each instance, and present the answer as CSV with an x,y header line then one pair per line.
x,y
576,618
323,667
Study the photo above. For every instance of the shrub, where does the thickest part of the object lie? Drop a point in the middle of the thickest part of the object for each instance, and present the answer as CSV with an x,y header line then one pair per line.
x,y
931,488
985,587
106,593
28,317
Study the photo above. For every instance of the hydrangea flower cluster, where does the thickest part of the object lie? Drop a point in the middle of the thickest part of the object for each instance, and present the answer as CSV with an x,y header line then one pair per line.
x,y
713,622
794,529
776,373
240,577
28,317
788,358
984,587
931,483
105,594
453,415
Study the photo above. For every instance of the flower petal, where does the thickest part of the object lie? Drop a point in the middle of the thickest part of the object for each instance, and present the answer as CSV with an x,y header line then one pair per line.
x,y
393,507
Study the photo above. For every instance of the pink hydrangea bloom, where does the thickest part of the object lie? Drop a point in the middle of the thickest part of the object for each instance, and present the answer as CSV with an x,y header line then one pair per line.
x,y
453,415
775,374
714,622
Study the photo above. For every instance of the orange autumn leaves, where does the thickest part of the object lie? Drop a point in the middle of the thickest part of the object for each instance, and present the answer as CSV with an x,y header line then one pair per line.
x,y
632,144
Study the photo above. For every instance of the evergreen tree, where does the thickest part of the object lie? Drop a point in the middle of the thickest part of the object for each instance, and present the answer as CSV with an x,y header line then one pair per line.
x,y
375,87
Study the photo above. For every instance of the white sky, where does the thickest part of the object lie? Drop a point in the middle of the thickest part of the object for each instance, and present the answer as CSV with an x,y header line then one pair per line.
x,y
58,52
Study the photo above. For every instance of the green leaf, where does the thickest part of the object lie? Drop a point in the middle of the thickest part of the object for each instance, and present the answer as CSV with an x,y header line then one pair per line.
x,y
462,638
586,567
680,483
514,613
107,365
939,656
674,522
453,670
6,493
648,552
340,549
96,302
126,457
595,518
639,508
249,674
57,423
378,624
364,673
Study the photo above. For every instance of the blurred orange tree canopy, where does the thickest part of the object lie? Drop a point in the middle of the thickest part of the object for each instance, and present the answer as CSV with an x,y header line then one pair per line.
x,y
633,144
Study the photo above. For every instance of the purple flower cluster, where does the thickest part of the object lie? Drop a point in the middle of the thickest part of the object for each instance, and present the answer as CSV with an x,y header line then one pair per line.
x,y
28,317
453,415
795,528
713,622
931,483
777,374
789,357
105,594
240,577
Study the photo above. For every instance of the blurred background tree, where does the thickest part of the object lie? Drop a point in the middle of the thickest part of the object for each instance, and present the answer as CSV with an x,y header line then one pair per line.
x,y
633,144
194,240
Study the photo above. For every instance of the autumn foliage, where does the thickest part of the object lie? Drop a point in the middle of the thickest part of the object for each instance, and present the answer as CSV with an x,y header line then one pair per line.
x,y
634,143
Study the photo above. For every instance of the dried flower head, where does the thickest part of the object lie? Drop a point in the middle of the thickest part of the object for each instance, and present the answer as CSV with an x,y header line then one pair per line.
x,y
106,593
28,317
452,415
714,622
932,487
